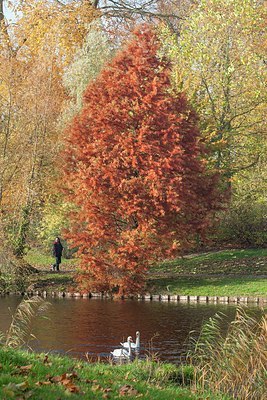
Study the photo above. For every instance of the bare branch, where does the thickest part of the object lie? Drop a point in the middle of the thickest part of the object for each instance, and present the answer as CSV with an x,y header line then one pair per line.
x,y
245,167
247,111
213,108
129,9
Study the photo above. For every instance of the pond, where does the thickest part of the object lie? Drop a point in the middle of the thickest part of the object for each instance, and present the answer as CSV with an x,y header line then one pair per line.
x,y
95,327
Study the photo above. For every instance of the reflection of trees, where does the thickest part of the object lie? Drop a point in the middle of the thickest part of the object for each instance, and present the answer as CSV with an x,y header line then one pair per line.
x,y
97,326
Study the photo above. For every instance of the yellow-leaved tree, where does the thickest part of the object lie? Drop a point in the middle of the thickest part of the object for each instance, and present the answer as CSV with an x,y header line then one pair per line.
x,y
219,59
34,53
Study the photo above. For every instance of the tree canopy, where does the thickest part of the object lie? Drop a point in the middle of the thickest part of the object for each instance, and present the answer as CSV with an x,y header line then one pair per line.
x,y
51,50
218,59
135,170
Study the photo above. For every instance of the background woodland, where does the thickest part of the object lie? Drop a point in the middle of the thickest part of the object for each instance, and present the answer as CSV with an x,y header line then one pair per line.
x,y
214,55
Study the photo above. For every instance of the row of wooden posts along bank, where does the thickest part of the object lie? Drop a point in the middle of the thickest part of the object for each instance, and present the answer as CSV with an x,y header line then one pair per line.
x,y
149,297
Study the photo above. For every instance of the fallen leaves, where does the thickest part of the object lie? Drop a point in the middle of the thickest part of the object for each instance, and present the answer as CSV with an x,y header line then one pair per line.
x,y
25,368
47,361
39,383
128,390
102,387
19,391
66,380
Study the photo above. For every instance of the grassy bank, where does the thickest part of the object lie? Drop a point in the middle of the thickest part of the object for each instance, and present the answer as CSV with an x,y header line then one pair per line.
x,y
30,376
44,261
222,262
241,272
222,365
209,286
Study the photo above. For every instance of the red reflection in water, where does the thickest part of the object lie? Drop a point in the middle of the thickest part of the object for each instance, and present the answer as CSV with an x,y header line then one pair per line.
x,y
93,326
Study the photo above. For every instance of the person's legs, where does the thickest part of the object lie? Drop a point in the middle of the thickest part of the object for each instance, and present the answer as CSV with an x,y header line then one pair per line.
x,y
58,261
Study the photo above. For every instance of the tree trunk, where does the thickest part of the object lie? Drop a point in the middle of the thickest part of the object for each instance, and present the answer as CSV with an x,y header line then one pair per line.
x,y
1,10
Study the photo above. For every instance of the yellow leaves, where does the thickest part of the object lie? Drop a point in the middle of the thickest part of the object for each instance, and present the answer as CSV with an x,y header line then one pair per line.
x,y
52,29
217,56
217,140
3,91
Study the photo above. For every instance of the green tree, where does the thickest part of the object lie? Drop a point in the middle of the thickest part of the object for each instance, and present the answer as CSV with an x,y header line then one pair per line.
x,y
219,59
96,51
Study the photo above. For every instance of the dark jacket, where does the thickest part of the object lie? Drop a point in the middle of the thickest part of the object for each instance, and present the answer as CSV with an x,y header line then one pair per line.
x,y
57,249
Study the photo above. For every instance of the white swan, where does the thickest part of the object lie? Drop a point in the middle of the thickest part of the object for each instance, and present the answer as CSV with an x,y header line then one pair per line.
x,y
123,353
134,346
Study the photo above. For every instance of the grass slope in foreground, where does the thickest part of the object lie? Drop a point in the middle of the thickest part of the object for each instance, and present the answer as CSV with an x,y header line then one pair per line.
x,y
30,376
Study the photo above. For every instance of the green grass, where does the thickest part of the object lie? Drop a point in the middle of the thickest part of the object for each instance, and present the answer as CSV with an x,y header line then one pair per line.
x,y
47,280
239,272
29,376
54,281
223,255
43,261
242,261
210,286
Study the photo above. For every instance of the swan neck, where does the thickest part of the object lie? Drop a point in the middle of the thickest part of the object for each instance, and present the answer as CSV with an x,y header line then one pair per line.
x,y
130,349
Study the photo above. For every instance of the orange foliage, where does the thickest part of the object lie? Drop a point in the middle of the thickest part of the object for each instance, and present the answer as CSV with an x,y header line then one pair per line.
x,y
134,169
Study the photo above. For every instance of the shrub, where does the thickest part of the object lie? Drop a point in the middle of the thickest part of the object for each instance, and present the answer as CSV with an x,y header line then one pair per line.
x,y
245,224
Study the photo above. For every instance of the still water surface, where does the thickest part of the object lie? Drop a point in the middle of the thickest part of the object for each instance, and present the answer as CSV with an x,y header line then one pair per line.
x,y
93,326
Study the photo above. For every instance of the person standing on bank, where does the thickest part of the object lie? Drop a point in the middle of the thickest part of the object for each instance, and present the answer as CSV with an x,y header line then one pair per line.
x,y
57,253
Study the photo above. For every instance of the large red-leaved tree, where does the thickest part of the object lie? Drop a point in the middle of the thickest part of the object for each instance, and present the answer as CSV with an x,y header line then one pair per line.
x,y
135,170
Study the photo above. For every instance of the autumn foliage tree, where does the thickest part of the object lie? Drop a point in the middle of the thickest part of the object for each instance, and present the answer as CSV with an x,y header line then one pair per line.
x,y
34,54
135,170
